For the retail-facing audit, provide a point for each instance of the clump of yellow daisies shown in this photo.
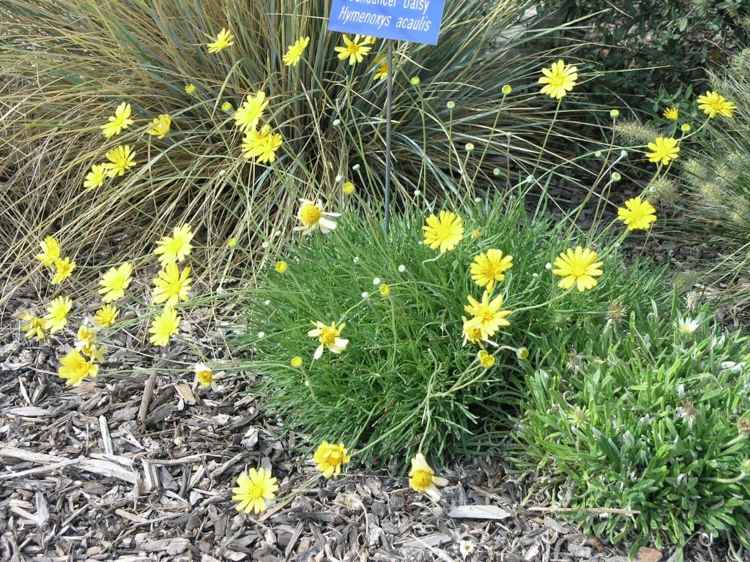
(171, 284)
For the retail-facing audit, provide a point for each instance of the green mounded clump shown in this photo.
(407, 381)
(650, 418)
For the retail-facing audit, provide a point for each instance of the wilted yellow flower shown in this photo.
(96, 177)
(232, 243)
(486, 360)
(312, 216)
(261, 145)
(121, 159)
(296, 362)
(637, 214)
(355, 49)
(74, 368)
(281, 266)
(381, 68)
(558, 79)
(114, 282)
(476, 234)
(472, 331)
(443, 232)
(328, 336)
(672, 113)
(295, 51)
(578, 268)
(171, 285)
(713, 104)
(106, 316)
(176, 247)
(663, 150)
(422, 478)
(204, 376)
(93, 352)
(160, 126)
(190, 89)
(489, 268)
(348, 188)
(118, 122)
(254, 488)
(522, 353)
(249, 113)
(164, 326)
(35, 327)
(224, 39)
(50, 251)
(85, 336)
(63, 269)
(488, 314)
(330, 457)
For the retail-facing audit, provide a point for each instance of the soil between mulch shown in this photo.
(139, 464)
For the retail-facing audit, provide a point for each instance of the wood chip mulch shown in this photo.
(139, 466)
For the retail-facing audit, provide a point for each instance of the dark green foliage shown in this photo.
(670, 41)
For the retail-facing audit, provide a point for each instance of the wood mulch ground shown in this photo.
(138, 465)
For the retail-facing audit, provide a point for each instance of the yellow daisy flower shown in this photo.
(558, 79)
(118, 122)
(190, 89)
(254, 488)
(328, 336)
(637, 214)
(295, 51)
(176, 247)
(114, 282)
(663, 150)
(63, 269)
(121, 159)
(164, 326)
(171, 285)
(578, 268)
(422, 478)
(713, 104)
(50, 251)
(74, 368)
(160, 126)
(487, 314)
(443, 232)
(204, 376)
(312, 216)
(106, 316)
(261, 145)
(224, 39)
(249, 113)
(330, 457)
(96, 177)
(489, 268)
(355, 49)
(57, 313)
(672, 113)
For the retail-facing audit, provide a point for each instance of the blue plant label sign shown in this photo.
(417, 21)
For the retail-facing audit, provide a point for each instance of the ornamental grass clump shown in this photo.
(419, 340)
(645, 428)
(122, 118)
